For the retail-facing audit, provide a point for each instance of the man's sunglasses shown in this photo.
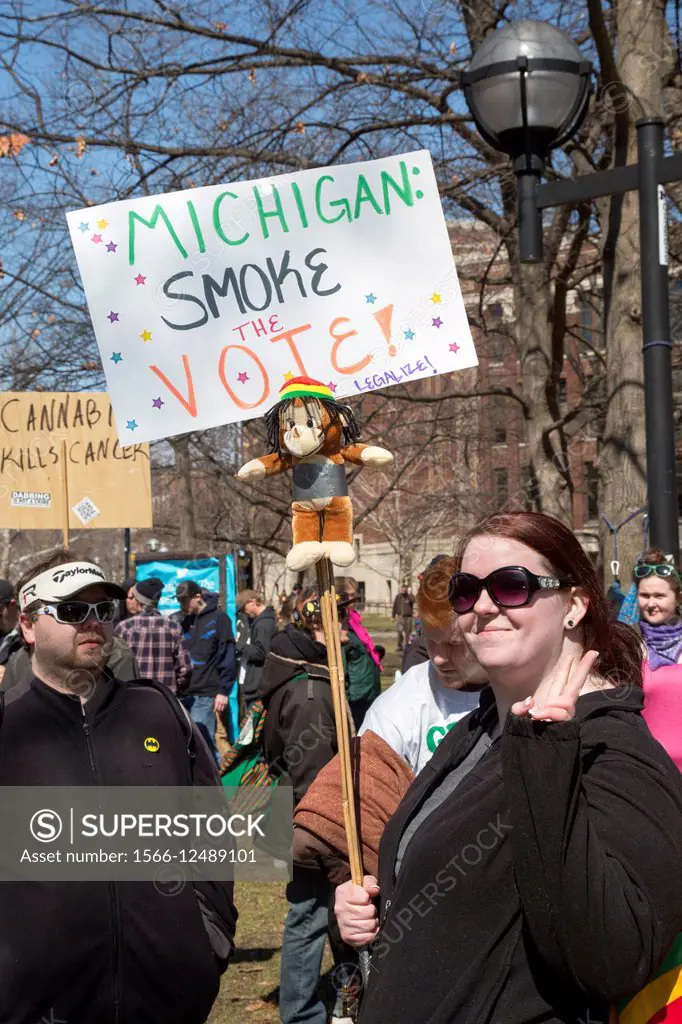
(73, 613)
(642, 570)
(509, 587)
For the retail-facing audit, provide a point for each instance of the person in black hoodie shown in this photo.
(299, 739)
(121, 952)
(262, 628)
(531, 872)
(210, 642)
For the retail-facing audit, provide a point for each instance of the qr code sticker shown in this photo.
(86, 510)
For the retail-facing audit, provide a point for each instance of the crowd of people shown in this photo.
(518, 787)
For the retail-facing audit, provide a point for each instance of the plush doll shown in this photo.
(312, 434)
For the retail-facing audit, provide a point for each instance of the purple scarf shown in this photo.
(664, 643)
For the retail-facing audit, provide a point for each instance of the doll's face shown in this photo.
(303, 427)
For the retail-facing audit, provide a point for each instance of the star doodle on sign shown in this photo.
(102, 224)
(454, 347)
(84, 227)
(435, 298)
(146, 336)
(288, 375)
(113, 317)
(242, 377)
(371, 298)
(437, 322)
(96, 239)
(332, 386)
(116, 357)
(158, 402)
(131, 425)
(111, 247)
(140, 279)
(409, 334)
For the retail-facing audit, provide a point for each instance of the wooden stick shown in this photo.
(330, 625)
(65, 492)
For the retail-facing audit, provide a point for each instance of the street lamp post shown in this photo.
(528, 90)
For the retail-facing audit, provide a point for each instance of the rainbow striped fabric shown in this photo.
(305, 387)
(659, 1002)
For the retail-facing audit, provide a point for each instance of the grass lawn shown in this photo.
(250, 986)
(378, 623)
(249, 989)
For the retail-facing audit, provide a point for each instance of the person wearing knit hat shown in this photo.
(148, 592)
(155, 640)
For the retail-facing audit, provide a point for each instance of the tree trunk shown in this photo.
(5, 547)
(183, 482)
(640, 28)
(538, 379)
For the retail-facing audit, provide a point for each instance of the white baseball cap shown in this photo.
(62, 582)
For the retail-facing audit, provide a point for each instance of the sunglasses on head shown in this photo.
(643, 569)
(510, 587)
(73, 613)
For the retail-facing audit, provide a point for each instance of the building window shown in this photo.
(496, 347)
(586, 321)
(499, 422)
(360, 595)
(501, 487)
(592, 489)
(530, 488)
(563, 394)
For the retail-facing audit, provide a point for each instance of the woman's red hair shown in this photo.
(620, 655)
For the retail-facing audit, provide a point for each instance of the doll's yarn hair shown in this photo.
(338, 415)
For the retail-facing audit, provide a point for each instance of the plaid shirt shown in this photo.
(157, 644)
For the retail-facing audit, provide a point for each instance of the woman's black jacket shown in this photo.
(545, 887)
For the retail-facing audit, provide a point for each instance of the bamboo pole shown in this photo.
(330, 625)
(65, 497)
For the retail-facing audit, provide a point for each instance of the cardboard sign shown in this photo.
(205, 302)
(107, 485)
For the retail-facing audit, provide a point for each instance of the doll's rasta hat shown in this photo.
(305, 387)
(309, 390)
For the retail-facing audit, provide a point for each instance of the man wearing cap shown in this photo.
(210, 641)
(84, 951)
(156, 641)
(263, 627)
(10, 638)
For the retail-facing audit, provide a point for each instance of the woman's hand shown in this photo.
(356, 912)
(555, 698)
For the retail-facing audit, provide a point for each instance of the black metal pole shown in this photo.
(657, 347)
(126, 552)
(528, 170)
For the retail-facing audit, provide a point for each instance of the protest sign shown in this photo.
(106, 485)
(205, 302)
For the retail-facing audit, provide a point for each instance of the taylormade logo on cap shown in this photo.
(62, 581)
(64, 574)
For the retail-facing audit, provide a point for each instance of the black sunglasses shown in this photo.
(510, 587)
(73, 613)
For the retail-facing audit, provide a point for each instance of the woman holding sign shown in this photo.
(532, 871)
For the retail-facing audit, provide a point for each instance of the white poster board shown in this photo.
(205, 302)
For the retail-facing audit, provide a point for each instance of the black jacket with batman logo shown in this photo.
(120, 952)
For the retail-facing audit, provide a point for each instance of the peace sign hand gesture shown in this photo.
(555, 698)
